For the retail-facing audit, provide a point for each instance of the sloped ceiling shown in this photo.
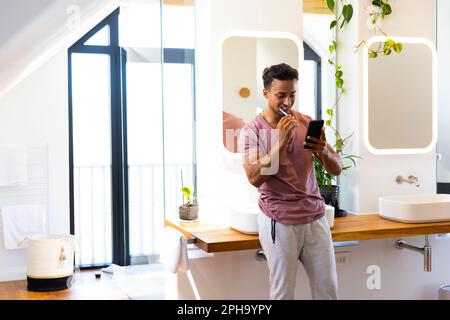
(16, 14)
(32, 31)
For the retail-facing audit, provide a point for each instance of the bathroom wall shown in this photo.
(270, 52)
(316, 30)
(240, 276)
(443, 48)
(35, 113)
(239, 71)
(361, 187)
(34, 98)
(214, 20)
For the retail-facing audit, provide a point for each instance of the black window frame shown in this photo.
(311, 55)
(119, 175)
(119, 159)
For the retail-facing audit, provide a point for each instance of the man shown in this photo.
(292, 223)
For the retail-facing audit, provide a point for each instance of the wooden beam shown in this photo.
(309, 6)
(179, 2)
(316, 6)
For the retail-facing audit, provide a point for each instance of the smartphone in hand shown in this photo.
(314, 130)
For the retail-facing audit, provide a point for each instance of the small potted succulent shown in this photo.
(188, 211)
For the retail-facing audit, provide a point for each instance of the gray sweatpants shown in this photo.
(311, 244)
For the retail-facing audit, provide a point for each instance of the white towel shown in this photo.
(13, 165)
(113, 268)
(174, 251)
(21, 221)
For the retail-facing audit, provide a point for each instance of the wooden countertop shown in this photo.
(219, 238)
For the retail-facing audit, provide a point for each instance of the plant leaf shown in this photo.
(347, 12)
(330, 61)
(398, 47)
(333, 24)
(373, 55)
(187, 192)
(389, 44)
(387, 52)
(352, 160)
(330, 4)
(330, 112)
(387, 10)
(339, 74)
(328, 123)
(377, 3)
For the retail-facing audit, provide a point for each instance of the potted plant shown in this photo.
(188, 211)
(328, 189)
(377, 12)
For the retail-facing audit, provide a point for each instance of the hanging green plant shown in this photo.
(343, 17)
(377, 12)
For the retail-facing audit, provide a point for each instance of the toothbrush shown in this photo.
(285, 114)
(282, 111)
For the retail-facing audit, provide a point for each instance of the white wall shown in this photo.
(244, 59)
(443, 49)
(36, 113)
(216, 19)
(34, 102)
(375, 175)
(274, 51)
(237, 275)
(239, 65)
(361, 187)
(317, 34)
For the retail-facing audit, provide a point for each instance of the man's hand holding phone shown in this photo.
(317, 146)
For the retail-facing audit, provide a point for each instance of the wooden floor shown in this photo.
(84, 287)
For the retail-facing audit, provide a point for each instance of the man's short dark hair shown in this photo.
(280, 71)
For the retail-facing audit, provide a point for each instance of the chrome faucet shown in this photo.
(411, 180)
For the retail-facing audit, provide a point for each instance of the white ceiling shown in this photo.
(16, 14)
(33, 31)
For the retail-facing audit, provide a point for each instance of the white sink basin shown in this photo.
(244, 219)
(415, 208)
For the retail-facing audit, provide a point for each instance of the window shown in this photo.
(311, 75)
(132, 133)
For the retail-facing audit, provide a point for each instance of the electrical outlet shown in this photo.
(342, 257)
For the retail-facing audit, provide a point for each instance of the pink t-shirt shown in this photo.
(291, 195)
